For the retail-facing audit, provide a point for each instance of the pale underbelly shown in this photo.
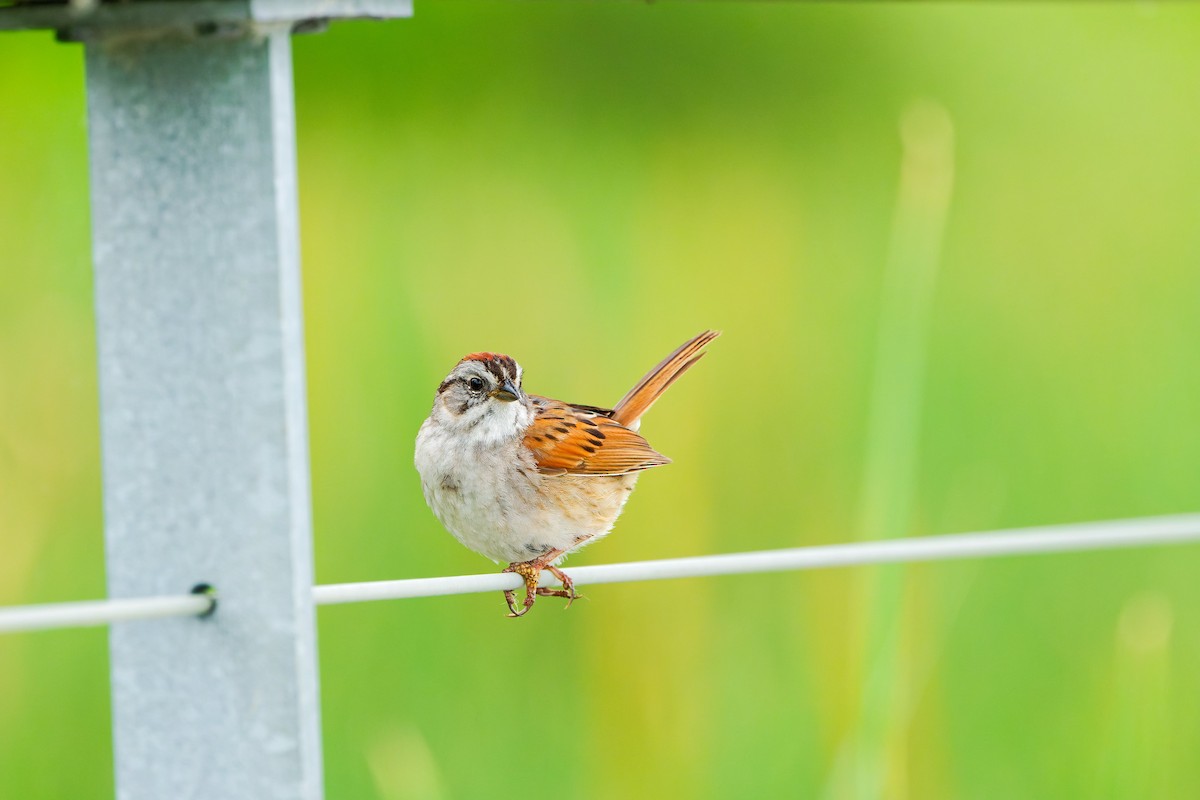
(529, 515)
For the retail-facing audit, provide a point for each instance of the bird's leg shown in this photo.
(531, 571)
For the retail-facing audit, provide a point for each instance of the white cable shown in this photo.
(1056, 538)
(1019, 541)
(102, 612)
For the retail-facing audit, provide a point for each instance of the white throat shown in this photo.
(487, 424)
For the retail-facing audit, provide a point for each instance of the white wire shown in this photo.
(1057, 538)
(1018, 541)
(101, 612)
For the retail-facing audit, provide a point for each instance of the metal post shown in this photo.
(202, 391)
(203, 423)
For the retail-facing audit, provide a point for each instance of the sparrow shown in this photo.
(526, 480)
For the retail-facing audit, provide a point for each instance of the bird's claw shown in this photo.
(568, 590)
(510, 599)
(530, 571)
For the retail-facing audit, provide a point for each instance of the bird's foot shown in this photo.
(531, 571)
(568, 586)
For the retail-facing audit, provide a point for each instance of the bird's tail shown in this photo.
(638, 400)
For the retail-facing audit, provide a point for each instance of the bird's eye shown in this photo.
(475, 384)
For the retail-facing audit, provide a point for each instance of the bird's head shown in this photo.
(483, 394)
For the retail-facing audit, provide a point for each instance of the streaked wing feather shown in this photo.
(583, 440)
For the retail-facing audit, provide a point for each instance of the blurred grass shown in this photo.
(584, 185)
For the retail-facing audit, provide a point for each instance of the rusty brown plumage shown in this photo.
(586, 440)
(568, 439)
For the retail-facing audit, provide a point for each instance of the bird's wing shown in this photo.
(584, 440)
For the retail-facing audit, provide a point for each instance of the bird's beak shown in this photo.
(507, 392)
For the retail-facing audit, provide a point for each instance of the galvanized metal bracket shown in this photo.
(81, 20)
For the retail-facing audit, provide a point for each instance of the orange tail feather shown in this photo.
(639, 399)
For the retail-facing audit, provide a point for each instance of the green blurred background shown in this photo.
(584, 185)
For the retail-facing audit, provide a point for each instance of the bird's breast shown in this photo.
(494, 500)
